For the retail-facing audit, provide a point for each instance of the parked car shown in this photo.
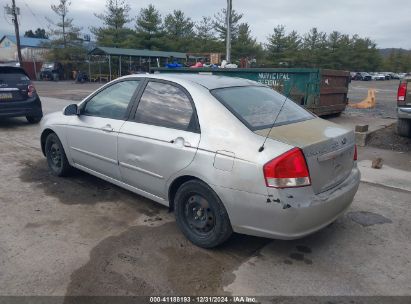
(364, 76)
(377, 76)
(204, 146)
(404, 107)
(18, 97)
(388, 75)
(52, 71)
(352, 75)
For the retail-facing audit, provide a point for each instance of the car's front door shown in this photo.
(92, 135)
(161, 140)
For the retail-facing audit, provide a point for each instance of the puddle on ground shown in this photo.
(160, 260)
(365, 218)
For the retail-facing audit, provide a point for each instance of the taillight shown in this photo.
(402, 92)
(288, 170)
(31, 90)
(355, 153)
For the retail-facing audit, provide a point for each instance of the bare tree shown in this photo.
(64, 28)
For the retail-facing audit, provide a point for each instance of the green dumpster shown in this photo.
(321, 91)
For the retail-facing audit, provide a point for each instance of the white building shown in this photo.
(32, 49)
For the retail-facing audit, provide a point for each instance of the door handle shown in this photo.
(180, 141)
(107, 128)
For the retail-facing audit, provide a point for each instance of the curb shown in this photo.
(362, 138)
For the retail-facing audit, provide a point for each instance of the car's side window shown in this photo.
(113, 101)
(166, 105)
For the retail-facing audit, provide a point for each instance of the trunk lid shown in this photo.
(327, 147)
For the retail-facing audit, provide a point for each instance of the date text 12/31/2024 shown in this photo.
(204, 299)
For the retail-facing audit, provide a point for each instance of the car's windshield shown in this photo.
(257, 106)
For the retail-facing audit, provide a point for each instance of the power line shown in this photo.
(34, 15)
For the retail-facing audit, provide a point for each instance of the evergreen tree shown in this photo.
(149, 29)
(220, 24)
(245, 46)
(206, 40)
(364, 54)
(38, 33)
(293, 49)
(314, 48)
(114, 33)
(116, 15)
(179, 31)
(277, 46)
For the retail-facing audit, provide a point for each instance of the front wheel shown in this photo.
(201, 215)
(56, 157)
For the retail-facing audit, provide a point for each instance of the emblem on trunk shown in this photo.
(344, 141)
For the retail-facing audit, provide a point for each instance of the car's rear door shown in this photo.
(161, 139)
(92, 135)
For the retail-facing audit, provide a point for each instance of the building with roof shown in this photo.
(32, 49)
(120, 61)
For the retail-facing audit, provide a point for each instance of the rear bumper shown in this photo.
(251, 213)
(404, 113)
(29, 107)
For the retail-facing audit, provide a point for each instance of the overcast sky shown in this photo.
(386, 22)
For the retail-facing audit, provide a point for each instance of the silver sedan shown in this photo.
(226, 154)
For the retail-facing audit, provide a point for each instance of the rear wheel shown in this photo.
(34, 119)
(201, 215)
(56, 157)
(404, 127)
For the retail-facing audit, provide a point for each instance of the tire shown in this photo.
(404, 127)
(34, 119)
(56, 157)
(201, 215)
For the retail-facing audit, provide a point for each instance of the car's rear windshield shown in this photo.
(12, 74)
(15, 77)
(258, 106)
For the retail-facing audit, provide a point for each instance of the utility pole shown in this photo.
(228, 38)
(14, 13)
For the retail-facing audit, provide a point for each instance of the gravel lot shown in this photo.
(386, 97)
(82, 236)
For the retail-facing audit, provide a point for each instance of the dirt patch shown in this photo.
(160, 260)
(388, 139)
(82, 189)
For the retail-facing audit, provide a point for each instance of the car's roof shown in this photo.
(210, 82)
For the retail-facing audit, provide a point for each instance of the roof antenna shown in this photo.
(275, 120)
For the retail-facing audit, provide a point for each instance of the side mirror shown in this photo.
(71, 110)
